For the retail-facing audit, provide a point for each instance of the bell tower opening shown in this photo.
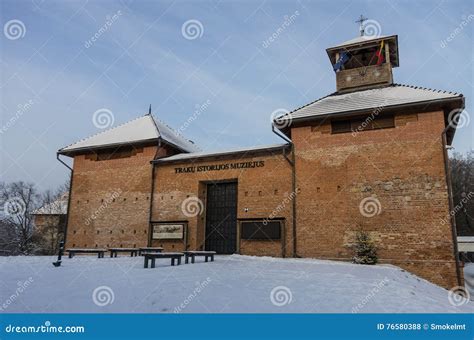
(364, 62)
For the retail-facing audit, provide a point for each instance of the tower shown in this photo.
(364, 62)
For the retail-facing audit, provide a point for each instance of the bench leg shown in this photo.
(71, 255)
(153, 262)
(193, 258)
(179, 260)
(206, 258)
(145, 264)
(212, 258)
(186, 259)
(172, 261)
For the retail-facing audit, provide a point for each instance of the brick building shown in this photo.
(369, 157)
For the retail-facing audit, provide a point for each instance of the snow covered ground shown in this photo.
(230, 284)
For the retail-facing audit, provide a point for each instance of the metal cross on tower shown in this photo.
(361, 24)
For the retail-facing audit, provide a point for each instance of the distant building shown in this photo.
(50, 220)
(370, 156)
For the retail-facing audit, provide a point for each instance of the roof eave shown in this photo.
(179, 148)
(75, 151)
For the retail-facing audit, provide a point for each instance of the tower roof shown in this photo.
(140, 130)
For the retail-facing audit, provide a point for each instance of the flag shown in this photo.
(341, 61)
(379, 54)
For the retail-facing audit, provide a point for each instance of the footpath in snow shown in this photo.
(231, 284)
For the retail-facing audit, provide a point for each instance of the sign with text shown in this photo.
(218, 167)
(165, 231)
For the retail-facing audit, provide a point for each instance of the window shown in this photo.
(359, 124)
(120, 152)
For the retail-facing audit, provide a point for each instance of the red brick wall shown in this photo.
(402, 168)
(110, 201)
(260, 190)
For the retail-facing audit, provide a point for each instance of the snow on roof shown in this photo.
(141, 129)
(173, 137)
(392, 95)
(361, 39)
(57, 207)
(185, 156)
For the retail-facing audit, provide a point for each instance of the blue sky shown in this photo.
(143, 58)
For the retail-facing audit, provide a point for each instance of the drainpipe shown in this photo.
(293, 185)
(68, 199)
(447, 170)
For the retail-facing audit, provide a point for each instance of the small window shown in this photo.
(340, 126)
(360, 124)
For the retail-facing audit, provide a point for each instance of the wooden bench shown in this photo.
(132, 251)
(100, 252)
(154, 256)
(141, 250)
(193, 254)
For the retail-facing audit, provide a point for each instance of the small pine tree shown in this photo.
(365, 249)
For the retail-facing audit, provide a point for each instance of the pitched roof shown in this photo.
(361, 39)
(248, 150)
(142, 129)
(386, 97)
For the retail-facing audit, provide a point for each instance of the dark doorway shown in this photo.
(221, 217)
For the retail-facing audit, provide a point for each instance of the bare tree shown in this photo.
(462, 174)
(19, 200)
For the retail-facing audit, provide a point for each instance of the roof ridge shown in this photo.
(175, 132)
(101, 132)
(314, 101)
(426, 88)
